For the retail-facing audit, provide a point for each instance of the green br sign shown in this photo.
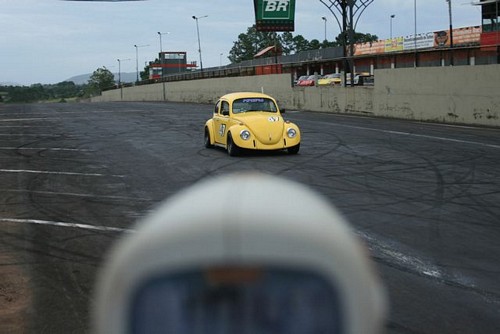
(274, 15)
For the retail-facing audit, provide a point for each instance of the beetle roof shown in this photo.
(240, 95)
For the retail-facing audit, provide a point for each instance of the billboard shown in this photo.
(467, 36)
(370, 48)
(274, 15)
(462, 37)
(422, 41)
(394, 44)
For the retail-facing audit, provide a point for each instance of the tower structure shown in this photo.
(347, 14)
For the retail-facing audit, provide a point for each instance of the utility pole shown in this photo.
(137, 59)
(392, 16)
(324, 19)
(198, 32)
(451, 32)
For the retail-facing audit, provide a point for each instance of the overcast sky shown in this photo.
(49, 41)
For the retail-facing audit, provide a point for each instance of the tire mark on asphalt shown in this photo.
(34, 246)
(380, 252)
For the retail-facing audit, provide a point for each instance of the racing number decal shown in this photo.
(222, 130)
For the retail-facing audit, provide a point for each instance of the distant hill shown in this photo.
(84, 78)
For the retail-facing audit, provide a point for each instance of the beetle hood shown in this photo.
(266, 127)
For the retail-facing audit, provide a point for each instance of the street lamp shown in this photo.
(120, 70)
(324, 19)
(159, 34)
(392, 16)
(137, 59)
(198, 32)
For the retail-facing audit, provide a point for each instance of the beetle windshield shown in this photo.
(254, 104)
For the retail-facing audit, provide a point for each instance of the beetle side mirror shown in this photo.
(282, 110)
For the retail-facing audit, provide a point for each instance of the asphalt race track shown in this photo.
(425, 198)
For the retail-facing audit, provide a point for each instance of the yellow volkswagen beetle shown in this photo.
(250, 121)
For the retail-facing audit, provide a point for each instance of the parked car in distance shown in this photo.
(366, 80)
(251, 121)
(330, 79)
(307, 80)
(300, 79)
(361, 79)
(348, 79)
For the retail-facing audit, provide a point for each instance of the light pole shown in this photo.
(159, 34)
(392, 16)
(120, 70)
(451, 32)
(324, 19)
(137, 59)
(415, 36)
(162, 58)
(198, 32)
(220, 60)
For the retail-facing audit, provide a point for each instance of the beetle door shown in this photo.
(221, 121)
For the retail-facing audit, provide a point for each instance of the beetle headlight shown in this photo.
(291, 133)
(245, 134)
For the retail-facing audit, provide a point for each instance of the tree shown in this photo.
(101, 79)
(314, 44)
(287, 43)
(358, 38)
(144, 75)
(39, 92)
(328, 44)
(64, 89)
(251, 42)
(301, 44)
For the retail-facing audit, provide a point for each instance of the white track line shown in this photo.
(43, 135)
(23, 126)
(380, 249)
(27, 119)
(55, 173)
(61, 224)
(401, 133)
(406, 261)
(416, 264)
(77, 195)
(8, 148)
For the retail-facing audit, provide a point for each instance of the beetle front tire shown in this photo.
(232, 149)
(294, 149)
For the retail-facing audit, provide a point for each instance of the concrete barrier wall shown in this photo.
(463, 94)
(201, 91)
